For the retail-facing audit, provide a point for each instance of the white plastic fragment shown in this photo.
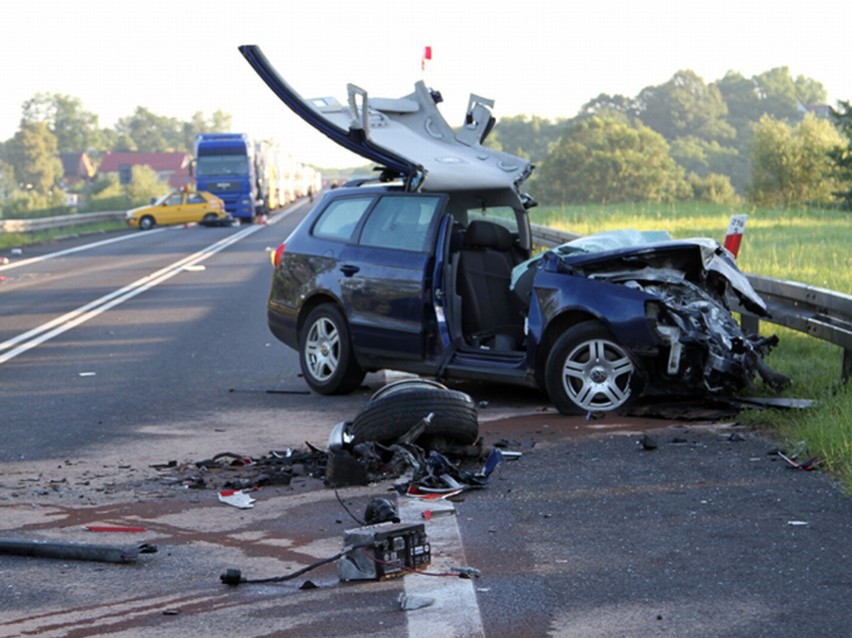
(237, 498)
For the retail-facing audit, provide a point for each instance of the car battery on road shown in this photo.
(383, 551)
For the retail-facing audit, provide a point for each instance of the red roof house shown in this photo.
(76, 167)
(172, 168)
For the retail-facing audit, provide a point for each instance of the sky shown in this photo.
(532, 57)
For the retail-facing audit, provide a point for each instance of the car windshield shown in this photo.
(211, 165)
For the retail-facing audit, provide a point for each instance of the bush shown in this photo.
(24, 204)
(715, 189)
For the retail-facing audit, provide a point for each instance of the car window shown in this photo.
(339, 220)
(400, 222)
(195, 198)
(174, 199)
(503, 215)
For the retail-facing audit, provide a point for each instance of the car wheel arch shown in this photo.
(555, 328)
(315, 300)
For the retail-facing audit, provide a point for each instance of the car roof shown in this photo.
(407, 135)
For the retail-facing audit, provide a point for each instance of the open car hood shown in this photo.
(406, 135)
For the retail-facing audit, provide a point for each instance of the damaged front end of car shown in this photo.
(690, 285)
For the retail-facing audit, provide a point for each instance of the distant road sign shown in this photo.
(125, 174)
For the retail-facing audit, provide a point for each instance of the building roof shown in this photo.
(158, 162)
(172, 167)
(77, 166)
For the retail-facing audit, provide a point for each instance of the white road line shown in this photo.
(455, 612)
(32, 338)
(77, 249)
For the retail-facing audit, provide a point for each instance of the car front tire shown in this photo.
(147, 223)
(325, 353)
(588, 371)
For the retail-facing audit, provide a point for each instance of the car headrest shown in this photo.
(481, 234)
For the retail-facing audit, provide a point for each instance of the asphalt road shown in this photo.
(587, 534)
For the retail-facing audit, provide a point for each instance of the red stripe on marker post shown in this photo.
(734, 237)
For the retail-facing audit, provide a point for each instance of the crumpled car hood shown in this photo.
(408, 135)
(625, 255)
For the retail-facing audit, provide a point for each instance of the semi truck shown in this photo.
(226, 165)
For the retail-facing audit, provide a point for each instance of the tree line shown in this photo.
(769, 139)
(31, 172)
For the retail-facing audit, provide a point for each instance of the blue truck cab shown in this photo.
(224, 166)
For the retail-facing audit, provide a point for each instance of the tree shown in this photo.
(147, 132)
(76, 129)
(791, 164)
(33, 153)
(7, 180)
(109, 194)
(685, 106)
(605, 104)
(524, 136)
(605, 159)
(702, 157)
(778, 94)
(842, 156)
(151, 133)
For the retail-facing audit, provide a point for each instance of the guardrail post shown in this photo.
(846, 372)
(750, 324)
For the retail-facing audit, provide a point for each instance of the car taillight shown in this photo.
(276, 256)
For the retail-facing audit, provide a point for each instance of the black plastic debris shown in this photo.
(74, 551)
(648, 443)
(343, 470)
(381, 510)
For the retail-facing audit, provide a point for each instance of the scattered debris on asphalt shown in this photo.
(808, 465)
(237, 498)
(408, 603)
(74, 551)
(648, 442)
(422, 467)
(114, 528)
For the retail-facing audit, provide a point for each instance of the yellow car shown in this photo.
(180, 207)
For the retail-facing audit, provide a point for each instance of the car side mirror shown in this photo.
(152, 200)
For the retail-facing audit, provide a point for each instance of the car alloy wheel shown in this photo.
(587, 370)
(326, 355)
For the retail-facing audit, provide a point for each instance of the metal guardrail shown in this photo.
(823, 314)
(61, 221)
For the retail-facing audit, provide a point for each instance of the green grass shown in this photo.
(811, 246)
(18, 240)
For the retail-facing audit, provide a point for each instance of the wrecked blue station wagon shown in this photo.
(429, 269)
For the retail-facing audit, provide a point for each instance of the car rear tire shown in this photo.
(388, 417)
(209, 219)
(147, 223)
(325, 353)
(588, 371)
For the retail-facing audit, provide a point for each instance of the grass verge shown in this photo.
(18, 240)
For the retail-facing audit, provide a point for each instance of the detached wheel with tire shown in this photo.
(587, 370)
(388, 417)
(325, 353)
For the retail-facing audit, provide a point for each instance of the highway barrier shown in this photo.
(60, 221)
